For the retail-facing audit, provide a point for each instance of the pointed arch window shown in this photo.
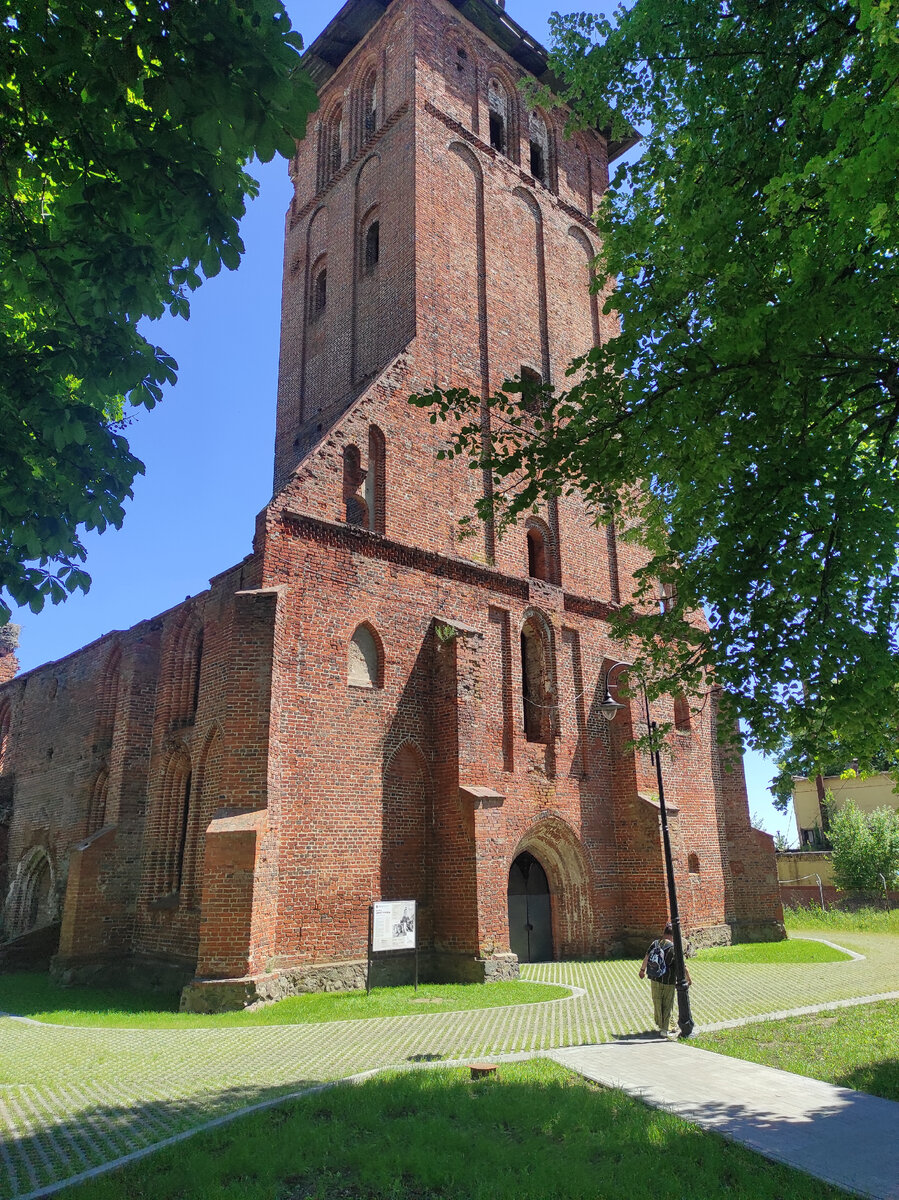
(365, 659)
(542, 554)
(538, 137)
(375, 479)
(330, 146)
(354, 478)
(535, 691)
(335, 141)
(369, 106)
(96, 817)
(371, 246)
(318, 295)
(498, 108)
(682, 718)
(174, 822)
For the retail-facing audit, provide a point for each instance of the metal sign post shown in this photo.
(371, 911)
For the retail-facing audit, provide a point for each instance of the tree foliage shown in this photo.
(125, 130)
(865, 847)
(754, 386)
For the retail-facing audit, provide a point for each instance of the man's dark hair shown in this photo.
(668, 929)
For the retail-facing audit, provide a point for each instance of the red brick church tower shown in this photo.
(372, 705)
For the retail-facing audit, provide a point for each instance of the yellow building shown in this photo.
(873, 792)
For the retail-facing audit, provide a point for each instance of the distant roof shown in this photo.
(357, 17)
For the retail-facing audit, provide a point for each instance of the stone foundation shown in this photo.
(223, 995)
(157, 975)
(757, 931)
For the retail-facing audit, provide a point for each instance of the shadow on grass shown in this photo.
(880, 1079)
(37, 1154)
(534, 1132)
(34, 993)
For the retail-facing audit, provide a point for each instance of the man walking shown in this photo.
(659, 965)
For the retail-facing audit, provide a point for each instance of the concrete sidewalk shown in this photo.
(844, 1137)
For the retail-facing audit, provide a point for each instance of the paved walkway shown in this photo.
(841, 1136)
(72, 1099)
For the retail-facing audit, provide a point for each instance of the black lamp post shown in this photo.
(609, 709)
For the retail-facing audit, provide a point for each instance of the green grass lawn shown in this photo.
(833, 920)
(535, 1132)
(793, 950)
(854, 1047)
(34, 994)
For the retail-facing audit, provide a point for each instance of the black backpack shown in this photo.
(656, 963)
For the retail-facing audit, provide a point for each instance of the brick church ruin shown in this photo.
(370, 706)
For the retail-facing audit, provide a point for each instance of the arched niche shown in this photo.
(365, 659)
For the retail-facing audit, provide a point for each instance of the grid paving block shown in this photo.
(80, 1097)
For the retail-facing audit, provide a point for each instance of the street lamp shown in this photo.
(609, 709)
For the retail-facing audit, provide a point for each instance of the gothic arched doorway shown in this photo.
(530, 915)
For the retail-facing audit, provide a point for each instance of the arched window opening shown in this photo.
(372, 246)
(498, 105)
(375, 479)
(369, 106)
(96, 817)
(107, 702)
(461, 58)
(195, 668)
(31, 902)
(539, 144)
(364, 668)
(533, 381)
(535, 693)
(335, 142)
(682, 716)
(693, 864)
(356, 508)
(182, 834)
(39, 896)
(174, 819)
(536, 555)
(320, 291)
(667, 597)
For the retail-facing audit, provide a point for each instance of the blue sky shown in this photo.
(208, 447)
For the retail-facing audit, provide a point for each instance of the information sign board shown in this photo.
(393, 925)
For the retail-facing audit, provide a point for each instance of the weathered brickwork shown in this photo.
(372, 705)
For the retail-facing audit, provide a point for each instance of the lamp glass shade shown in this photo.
(609, 707)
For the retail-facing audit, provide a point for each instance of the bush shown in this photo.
(862, 920)
(865, 847)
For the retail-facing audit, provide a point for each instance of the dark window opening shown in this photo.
(498, 132)
(538, 137)
(320, 293)
(533, 381)
(536, 555)
(681, 714)
(693, 864)
(372, 245)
